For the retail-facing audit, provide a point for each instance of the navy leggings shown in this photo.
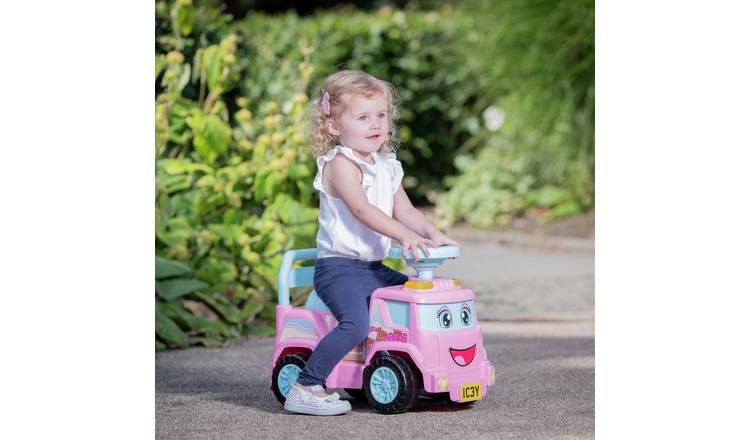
(345, 286)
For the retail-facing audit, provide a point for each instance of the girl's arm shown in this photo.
(407, 214)
(345, 178)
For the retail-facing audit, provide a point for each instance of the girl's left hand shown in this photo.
(440, 239)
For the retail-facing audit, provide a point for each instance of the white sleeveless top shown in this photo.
(340, 233)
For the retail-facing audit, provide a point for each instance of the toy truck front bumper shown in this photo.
(440, 380)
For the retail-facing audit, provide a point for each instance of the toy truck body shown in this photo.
(431, 325)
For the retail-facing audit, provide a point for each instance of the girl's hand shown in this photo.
(412, 241)
(440, 239)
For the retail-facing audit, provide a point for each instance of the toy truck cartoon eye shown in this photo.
(446, 317)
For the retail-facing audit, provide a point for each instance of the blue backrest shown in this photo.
(297, 277)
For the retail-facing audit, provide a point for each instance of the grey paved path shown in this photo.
(525, 277)
(537, 319)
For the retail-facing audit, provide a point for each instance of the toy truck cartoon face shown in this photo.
(444, 329)
(456, 325)
(435, 324)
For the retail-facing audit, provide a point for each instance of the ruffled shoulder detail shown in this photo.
(394, 168)
(368, 169)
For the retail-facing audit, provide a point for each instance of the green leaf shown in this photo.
(175, 288)
(251, 309)
(211, 59)
(233, 216)
(222, 307)
(271, 184)
(170, 268)
(259, 184)
(168, 330)
(292, 212)
(550, 196)
(183, 17)
(184, 78)
(172, 184)
(211, 342)
(300, 171)
(261, 330)
(268, 312)
(181, 166)
(177, 231)
(197, 324)
(160, 64)
(564, 209)
(228, 233)
(211, 135)
(216, 270)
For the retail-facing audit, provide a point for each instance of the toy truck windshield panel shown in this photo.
(446, 317)
(398, 312)
(375, 318)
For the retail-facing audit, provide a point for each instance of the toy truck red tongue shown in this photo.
(465, 356)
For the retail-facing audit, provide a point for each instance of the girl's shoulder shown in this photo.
(338, 164)
(345, 151)
(393, 165)
(389, 159)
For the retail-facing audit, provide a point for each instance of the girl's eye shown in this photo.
(362, 118)
(445, 319)
(382, 115)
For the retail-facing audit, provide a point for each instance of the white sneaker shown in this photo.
(305, 402)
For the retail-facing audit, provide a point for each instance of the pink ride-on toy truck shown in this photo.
(424, 338)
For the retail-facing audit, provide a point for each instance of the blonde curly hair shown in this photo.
(352, 83)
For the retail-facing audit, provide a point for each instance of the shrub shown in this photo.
(232, 184)
(535, 153)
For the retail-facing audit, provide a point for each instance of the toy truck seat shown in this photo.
(299, 277)
(315, 303)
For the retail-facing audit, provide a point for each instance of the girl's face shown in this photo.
(362, 125)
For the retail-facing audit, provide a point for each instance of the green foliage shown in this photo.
(535, 155)
(189, 312)
(175, 280)
(232, 183)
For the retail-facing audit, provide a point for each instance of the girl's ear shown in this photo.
(331, 127)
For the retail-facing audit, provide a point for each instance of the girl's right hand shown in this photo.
(412, 241)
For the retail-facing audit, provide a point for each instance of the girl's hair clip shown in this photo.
(325, 103)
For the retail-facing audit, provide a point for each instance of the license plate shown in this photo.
(471, 391)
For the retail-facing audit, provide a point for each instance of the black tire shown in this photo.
(407, 391)
(356, 393)
(298, 359)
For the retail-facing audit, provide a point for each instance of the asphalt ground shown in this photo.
(536, 311)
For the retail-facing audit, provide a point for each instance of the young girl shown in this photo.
(362, 207)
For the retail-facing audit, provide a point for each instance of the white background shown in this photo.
(77, 219)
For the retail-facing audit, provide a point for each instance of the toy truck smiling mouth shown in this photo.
(424, 339)
(465, 356)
